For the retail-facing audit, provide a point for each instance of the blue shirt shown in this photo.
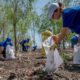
(71, 19)
(6, 42)
(25, 41)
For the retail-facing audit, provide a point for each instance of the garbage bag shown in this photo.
(53, 60)
(76, 55)
(10, 52)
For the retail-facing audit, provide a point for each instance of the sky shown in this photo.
(39, 4)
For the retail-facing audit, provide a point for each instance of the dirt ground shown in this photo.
(27, 62)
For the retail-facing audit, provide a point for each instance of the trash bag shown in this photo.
(10, 52)
(76, 55)
(53, 60)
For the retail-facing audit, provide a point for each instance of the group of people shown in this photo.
(7, 49)
(71, 23)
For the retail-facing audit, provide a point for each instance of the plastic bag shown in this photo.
(53, 60)
(76, 57)
(10, 52)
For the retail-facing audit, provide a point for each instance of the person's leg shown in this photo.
(23, 48)
(27, 48)
(1, 50)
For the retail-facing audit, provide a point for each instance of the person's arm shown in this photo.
(61, 35)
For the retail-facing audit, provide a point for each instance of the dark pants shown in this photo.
(4, 53)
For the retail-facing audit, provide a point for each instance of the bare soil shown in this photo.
(31, 62)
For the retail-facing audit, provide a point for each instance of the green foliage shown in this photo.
(22, 13)
(65, 57)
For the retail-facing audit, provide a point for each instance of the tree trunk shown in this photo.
(15, 38)
(3, 31)
(14, 24)
(34, 34)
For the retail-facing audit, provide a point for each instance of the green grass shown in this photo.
(65, 57)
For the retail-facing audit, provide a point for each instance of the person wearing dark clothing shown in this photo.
(4, 44)
(23, 44)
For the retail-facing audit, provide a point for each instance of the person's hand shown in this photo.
(56, 39)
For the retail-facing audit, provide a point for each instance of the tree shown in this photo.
(15, 13)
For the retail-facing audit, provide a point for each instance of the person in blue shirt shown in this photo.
(4, 43)
(74, 41)
(23, 44)
(70, 19)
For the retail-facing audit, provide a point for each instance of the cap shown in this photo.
(51, 9)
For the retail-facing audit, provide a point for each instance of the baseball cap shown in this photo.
(51, 9)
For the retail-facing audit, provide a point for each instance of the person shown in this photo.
(74, 41)
(24, 44)
(76, 50)
(70, 19)
(3, 45)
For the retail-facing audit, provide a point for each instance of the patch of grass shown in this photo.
(65, 57)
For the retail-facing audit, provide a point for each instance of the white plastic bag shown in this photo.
(10, 52)
(76, 55)
(53, 60)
